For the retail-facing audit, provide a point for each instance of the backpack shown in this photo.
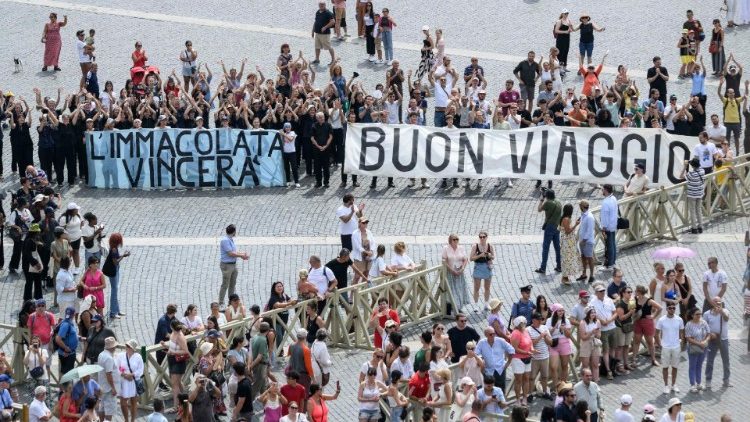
(55, 333)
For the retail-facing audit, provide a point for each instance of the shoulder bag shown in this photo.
(140, 388)
(325, 378)
(109, 269)
(622, 222)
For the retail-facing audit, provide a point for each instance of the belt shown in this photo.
(230, 263)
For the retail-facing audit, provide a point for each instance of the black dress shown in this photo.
(563, 44)
(22, 147)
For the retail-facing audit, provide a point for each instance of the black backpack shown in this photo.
(55, 332)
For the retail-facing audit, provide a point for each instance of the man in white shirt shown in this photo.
(714, 284)
(442, 97)
(717, 133)
(348, 215)
(38, 410)
(671, 330)
(623, 413)
(718, 322)
(109, 379)
(608, 223)
(323, 279)
(587, 390)
(706, 152)
(606, 314)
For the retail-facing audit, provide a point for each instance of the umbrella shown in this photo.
(80, 372)
(673, 252)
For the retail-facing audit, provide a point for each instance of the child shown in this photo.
(90, 39)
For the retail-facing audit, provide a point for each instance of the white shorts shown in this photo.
(670, 357)
(108, 404)
(519, 367)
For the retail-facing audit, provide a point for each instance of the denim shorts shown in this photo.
(585, 48)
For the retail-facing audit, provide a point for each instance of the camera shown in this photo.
(543, 190)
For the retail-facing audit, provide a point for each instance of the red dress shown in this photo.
(53, 45)
(72, 408)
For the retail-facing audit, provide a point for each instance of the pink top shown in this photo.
(94, 280)
(524, 342)
(455, 257)
(339, 4)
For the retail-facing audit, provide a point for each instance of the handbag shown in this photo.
(33, 269)
(217, 377)
(37, 372)
(622, 222)
(140, 388)
(713, 47)
(182, 357)
(109, 268)
(79, 292)
(694, 349)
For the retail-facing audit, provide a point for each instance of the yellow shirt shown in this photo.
(731, 110)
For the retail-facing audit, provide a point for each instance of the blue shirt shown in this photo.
(92, 388)
(491, 407)
(494, 355)
(6, 399)
(69, 335)
(226, 246)
(163, 329)
(586, 229)
(608, 214)
(699, 87)
(524, 309)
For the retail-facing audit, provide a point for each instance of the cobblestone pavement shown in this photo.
(185, 271)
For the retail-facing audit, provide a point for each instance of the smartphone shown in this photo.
(338, 385)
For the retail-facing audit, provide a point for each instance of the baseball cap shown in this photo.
(5, 378)
(626, 399)
(70, 311)
(526, 288)
(600, 288)
(583, 293)
(649, 408)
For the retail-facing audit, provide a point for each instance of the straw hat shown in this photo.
(494, 303)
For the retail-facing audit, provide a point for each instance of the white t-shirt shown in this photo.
(88, 231)
(321, 277)
(377, 268)
(72, 226)
(670, 330)
(107, 361)
(559, 330)
(289, 146)
(402, 261)
(351, 225)
(604, 310)
(705, 154)
(623, 416)
(715, 132)
(442, 94)
(392, 112)
(82, 57)
(37, 410)
(715, 280)
(381, 370)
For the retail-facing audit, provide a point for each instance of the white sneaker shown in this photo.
(388, 62)
(693, 389)
(666, 389)
(701, 387)
(675, 389)
(296, 185)
(287, 184)
(425, 185)
(510, 183)
(379, 61)
(371, 58)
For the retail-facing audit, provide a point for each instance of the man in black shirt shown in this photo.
(340, 268)
(460, 335)
(526, 72)
(243, 400)
(321, 142)
(321, 31)
(657, 77)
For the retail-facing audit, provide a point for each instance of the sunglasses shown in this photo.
(470, 348)
(440, 328)
(462, 320)
(482, 237)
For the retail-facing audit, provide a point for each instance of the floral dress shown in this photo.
(571, 260)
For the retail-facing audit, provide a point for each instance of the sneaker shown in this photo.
(379, 61)
(700, 387)
(675, 389)
(666, 389)
(510, 183)
(287, 184)
(296, 185)
(388, 62)
(425, 185)
(727, 384)
(540, 271)
(708, 386)
(316, 61)
(121, 314)
(371, 59)
(693, 388)
(355, 184)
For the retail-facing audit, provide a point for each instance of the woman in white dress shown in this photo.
(472, 365)
(321, 358)
(130, 365)
(443, 396)
(465, 396)
(738, 12)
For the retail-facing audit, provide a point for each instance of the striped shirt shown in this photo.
(695, 183)
(698, 331)
(542, 350)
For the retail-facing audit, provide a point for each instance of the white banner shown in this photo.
(594, 155)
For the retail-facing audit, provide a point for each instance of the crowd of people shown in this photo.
(241, 378)
(313, 104)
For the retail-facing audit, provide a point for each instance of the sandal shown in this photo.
(610, 376)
